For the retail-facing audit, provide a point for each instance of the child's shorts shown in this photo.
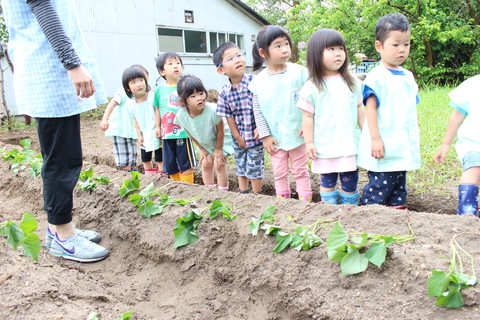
(470, 160)
(249, 162)
(147, 155)
(178, 155)
(125, 151)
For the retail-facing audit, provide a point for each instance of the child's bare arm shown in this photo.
(218, 152)
(158, 122)
(106, 116)
(456, 119)
(360, 115)
(139, 132)
(307, 127)
(377, 148)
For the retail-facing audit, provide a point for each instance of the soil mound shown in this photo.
(227, 273)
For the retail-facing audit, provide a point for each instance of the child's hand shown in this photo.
(104, 125)
(269, 144)
(377, 149)
(140, 141)
(441, 155)
(255, 134)
(241, 143)
(219, 157)
(311, 151)
(203, 155)
(158, 132)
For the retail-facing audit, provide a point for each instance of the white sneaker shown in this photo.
(77, 248)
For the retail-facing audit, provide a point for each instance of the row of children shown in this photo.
(295, 114)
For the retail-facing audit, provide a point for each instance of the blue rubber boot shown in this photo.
(467, 199)
(349, 198)
(330, 197)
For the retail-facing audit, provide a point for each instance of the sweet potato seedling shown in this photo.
(23, 235)
(25, 158)
(89, 182)
(447, 286)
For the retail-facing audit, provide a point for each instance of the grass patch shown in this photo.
(433, 115)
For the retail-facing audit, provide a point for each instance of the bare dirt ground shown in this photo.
(227, 273)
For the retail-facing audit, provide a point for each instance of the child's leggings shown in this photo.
(299, 169)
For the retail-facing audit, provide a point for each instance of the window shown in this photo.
(193, 41)
(188, 16)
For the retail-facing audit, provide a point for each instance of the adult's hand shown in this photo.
(82, 81)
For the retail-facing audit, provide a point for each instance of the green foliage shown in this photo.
(89, 182)
(25, 158)
(23, 235)
(447, 286)
(95, 114)
(185, 227)
(125, 316)
(130, 185)
(348, 249)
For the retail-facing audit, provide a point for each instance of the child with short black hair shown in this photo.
(390, 141)
(464, 121)
(235, 103)
(205, 128)
(178, 152)
(135, 84)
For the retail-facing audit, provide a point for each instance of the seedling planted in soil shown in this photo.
(186, 226)
(25, 158)
(23, 235)
(447, 286)
(89, 182)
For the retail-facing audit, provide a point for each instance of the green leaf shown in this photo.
(336, 242)
(283, 240)
(93, 316)
(150, 209)
(451, 298)
(218, 207)
(270, 229)
(254, 225)
(184, 229)
(377, 253)
(130, 185)
(136, 199)
(13, 233)
(26, 143)
(353, 262)
(267, 215)
(126, 315)
(28, 223)
(148, 191)
(437, 283)
(102, 180)
(360, 242)
(463, 279)
(31, 245)
(84, 175)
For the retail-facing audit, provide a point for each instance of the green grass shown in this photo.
(433, 115)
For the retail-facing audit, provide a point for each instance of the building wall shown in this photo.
(124, 32)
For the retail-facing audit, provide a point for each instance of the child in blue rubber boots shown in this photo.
(464, 124)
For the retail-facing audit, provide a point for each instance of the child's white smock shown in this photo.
(397, 122)
(203, 128)
(277, 95)
(335, 132)
(121, 118)
(466, 99)
(144, 113)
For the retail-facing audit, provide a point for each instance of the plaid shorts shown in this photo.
(125, 151)
(249, 162)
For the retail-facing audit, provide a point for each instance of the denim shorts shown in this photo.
(470, 160)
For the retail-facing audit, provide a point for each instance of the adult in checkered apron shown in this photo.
(55, 79)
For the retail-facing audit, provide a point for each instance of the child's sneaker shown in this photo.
(77, 248)
(90, 235)
(150, 171)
